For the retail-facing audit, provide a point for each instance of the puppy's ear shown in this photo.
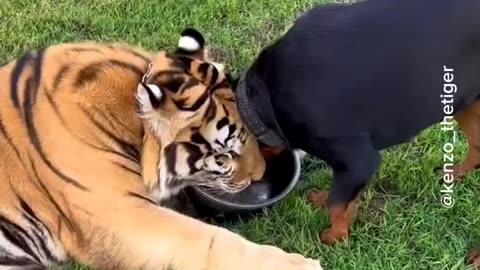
(149, 97)
(192, 44)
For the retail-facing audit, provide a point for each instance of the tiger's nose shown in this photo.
(221, 159)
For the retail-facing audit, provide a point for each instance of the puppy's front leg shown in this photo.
(354, 160)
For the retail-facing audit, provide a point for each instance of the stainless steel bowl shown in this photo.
(281, 176)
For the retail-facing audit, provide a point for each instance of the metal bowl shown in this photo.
(281, 176)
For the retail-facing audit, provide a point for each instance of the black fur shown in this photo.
(20, 64)
(60, 76)
(30, 94)
(171, 157)
(348, 81)
(18, 236)
(151, 96)
(194, 154)
(197, 36)
(190, 32)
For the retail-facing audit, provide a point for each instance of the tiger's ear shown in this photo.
(149, 96)
(192, 44)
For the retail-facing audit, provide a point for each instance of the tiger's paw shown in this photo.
(270, 257)
(233, 252)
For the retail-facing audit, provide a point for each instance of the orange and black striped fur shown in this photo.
(191, 102)
(71, 141)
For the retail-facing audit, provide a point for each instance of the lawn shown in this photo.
(401, 223)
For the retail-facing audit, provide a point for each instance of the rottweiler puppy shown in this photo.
(346, 81)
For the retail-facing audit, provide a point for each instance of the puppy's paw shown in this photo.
(473, 258)
(333, 236)
(318, 198)
(456, 175)
(459, 173)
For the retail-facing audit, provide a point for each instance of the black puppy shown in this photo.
(347, 81)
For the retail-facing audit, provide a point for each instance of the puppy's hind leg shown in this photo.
(469, 121)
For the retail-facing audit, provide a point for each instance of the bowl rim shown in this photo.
(244, 206)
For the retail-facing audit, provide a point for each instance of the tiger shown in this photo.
(210, 151)
(76, 142)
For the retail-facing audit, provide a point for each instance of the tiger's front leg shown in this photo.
(142, 235)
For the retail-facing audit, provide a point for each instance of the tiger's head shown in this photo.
(189, 104)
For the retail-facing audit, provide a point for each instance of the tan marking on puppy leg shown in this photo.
(469, 121)
(473, 258)
(318, 198)
(340, 217)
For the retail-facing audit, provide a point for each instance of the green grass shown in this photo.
(401, 223)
